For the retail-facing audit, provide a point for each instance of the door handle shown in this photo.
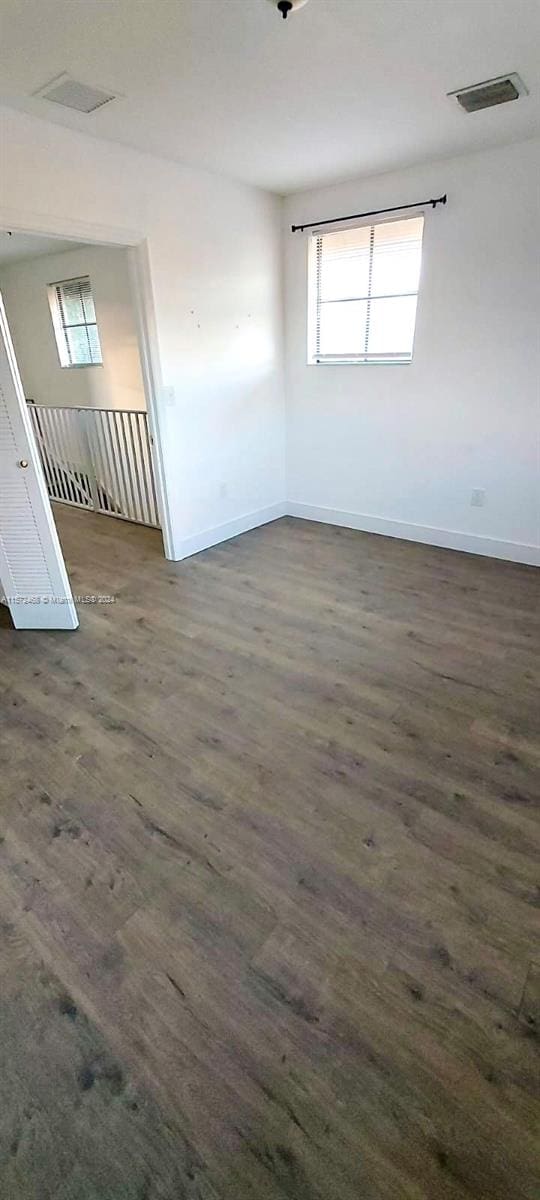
(22, 462)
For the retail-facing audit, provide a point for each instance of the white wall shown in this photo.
(115, 384)
(398, 449)
(214, 251)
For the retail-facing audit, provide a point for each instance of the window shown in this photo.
(74, 320)
(363, 292)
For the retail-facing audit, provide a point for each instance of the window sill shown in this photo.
(361, 362)
(78, 366)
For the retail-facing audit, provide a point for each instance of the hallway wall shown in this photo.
(117, 383)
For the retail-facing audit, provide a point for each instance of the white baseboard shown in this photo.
(230, 529)
(448, 539)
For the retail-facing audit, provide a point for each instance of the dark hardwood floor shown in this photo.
(269, 903)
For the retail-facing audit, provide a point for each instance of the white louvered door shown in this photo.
(33, 578)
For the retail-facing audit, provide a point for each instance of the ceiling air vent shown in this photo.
(80, 96)
(490, 92)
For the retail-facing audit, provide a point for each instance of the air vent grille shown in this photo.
(72, 94)
(490, 92)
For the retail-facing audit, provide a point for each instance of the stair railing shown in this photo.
(97, 458)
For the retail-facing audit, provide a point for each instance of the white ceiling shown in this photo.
(341, 88)
(16, 246)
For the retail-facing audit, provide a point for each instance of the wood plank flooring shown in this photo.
(269, 902)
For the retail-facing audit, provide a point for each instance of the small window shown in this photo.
(363, 293)
(74, 320)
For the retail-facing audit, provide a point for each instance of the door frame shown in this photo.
(136, 244)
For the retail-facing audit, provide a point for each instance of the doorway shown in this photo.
(138, 438)
(80, 319)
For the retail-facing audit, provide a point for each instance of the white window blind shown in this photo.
(364, 291)
(74, 320)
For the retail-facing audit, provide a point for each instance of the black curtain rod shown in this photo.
(377, 212)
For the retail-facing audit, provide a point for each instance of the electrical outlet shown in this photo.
(478, 497)
(223, 491)
(168, 396)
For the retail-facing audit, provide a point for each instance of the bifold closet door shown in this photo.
(33, 578)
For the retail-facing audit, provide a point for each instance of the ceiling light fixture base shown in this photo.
(287, 6)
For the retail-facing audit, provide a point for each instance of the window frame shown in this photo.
(390, 359)
(60, 326)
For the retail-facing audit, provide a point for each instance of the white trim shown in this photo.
(359, 362)
(45, 225)
(447, 539)
(230, 529)
(143, 298)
